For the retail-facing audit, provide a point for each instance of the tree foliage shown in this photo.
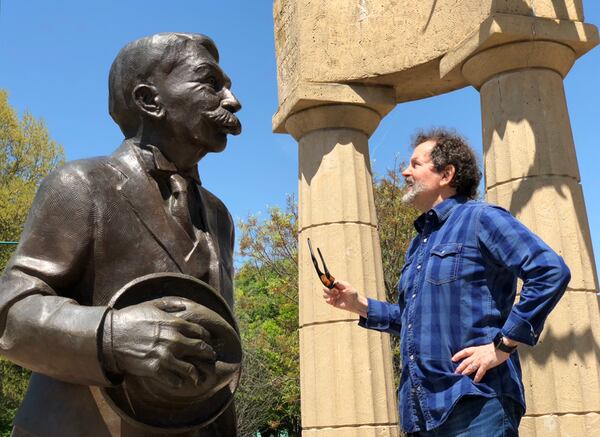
(267, 309)
(266, 305)
(27, 154)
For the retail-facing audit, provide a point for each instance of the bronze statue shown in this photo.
(118, 296)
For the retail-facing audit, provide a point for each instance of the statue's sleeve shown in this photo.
(42, 325)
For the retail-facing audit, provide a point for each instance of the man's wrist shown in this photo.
(363, 306)
(510, 343)
(504, 344)
(108, 359)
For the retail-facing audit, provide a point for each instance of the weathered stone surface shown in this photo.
(345, 371)
(415, 49)
(568, 425)
(520, 141)
(347, 393)
(561, 372)
(353, 253)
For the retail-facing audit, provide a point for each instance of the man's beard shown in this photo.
(415, 189)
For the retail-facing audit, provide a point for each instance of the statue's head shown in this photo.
(170, 86)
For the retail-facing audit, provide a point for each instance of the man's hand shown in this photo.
(479, 359)
(345, 297)
(148, 340)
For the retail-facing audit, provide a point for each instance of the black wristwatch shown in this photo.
(499, 344)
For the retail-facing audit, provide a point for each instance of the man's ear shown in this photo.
(448, 174)
(146, 98)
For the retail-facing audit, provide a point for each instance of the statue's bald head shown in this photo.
(137, 62)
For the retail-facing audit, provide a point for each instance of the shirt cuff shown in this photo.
(378, 316)
(518, 329)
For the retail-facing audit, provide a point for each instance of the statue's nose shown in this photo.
(230, 102)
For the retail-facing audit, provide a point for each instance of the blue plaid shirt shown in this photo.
(457, 289)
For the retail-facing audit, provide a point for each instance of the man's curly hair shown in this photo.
(452, 149)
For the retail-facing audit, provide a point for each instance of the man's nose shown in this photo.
(406, 172)
(229, 101)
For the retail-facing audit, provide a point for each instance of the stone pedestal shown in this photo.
(347, 386)
(531, 169)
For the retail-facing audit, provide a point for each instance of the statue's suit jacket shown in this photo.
(95, 225)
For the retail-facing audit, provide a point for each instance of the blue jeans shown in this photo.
(476, 416)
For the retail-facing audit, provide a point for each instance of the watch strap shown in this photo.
(499, 344)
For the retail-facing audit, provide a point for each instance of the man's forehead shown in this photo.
(423, 150)
(198, 57)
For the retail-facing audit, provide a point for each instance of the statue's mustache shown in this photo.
(226, 120)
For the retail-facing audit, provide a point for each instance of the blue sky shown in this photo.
(55, 57)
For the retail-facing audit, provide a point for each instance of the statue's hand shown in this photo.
(224, 340)
(149, 340)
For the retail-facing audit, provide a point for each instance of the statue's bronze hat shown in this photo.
(148, 404)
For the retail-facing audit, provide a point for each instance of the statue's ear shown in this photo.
(147, 100)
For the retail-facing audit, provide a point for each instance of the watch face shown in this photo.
(498, 340)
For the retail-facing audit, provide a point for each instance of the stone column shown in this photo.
(531, 169)
(347, 386)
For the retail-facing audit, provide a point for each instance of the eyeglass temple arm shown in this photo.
(314, 259)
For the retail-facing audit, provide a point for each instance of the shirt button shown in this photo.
(430, 212)
(409, 325)
(419, 267)
(412, 357)
(424, 240)
(414, 295)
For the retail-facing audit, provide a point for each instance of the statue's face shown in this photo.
(198, 102)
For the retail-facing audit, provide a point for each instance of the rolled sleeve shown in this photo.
(519, 329)
(382, 316)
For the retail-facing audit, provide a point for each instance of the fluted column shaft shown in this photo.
(347, 386)
(531, 169)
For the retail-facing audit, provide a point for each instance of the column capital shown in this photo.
(489, 63)
(357, 117)
(380, 99)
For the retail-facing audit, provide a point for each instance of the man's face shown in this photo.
(198, 103)
(422, 180)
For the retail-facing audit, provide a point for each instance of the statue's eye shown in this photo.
(213, 82)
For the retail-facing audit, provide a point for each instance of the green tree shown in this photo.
(267, 310)
(27, 154)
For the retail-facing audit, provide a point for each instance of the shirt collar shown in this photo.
(156, 163)
(440, 212)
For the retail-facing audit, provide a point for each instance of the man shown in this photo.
(97, 224)
(458, 326)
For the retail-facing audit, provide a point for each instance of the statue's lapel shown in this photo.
(142, 193)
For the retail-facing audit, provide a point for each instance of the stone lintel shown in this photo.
(380, 99)
(501, 29)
